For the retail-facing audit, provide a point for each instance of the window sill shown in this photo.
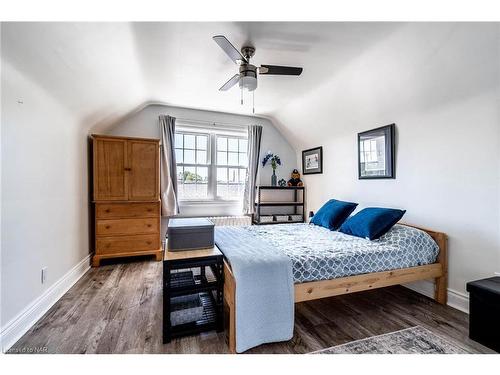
(197, 208)
(215, 202)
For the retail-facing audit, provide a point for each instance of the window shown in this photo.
(211, 165)
(192, 155)
(231, 167)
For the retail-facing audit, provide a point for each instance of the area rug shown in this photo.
(414, 340)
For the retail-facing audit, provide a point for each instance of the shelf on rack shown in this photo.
(276, 204)
(291, 205)
(184, 282)
(208, 320)
(280, 187)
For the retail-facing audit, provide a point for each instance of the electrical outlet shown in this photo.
(44, 275)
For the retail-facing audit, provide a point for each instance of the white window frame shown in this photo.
(212, 132)
(194, 165)
(226, 166)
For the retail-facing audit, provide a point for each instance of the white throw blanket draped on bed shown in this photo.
(264, 288)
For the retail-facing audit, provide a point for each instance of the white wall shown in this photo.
(144, 123)
(440, 84)
(44, 192)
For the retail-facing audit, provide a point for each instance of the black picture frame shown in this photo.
(318, 151)
(388, 133)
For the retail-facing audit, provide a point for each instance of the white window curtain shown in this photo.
(253, 150)
(168, 172)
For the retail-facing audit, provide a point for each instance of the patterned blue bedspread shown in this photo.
(320, 254)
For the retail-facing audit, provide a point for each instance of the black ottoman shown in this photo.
(484, 312)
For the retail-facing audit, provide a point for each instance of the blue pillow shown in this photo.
(333, 213)
(372, 222)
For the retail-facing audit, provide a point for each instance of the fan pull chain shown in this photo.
(241, 95)
(253, 102)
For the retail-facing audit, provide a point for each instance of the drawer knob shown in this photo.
(148, 242)
(149, 225)
(107, 227)
(107, 210)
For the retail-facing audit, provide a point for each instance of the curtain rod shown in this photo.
(213, 123)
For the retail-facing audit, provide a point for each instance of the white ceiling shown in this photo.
(101, 71)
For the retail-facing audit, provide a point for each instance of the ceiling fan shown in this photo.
(247, 76)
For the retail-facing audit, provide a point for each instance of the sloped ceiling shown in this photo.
(102, 71)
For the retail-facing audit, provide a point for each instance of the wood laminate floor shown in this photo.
(117, 308)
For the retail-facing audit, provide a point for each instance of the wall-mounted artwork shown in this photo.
(312, 161)
(376, 153)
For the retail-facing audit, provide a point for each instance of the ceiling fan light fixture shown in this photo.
(248, 82)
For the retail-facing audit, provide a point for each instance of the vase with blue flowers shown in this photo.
(275, 161)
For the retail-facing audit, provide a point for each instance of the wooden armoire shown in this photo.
(126, 197)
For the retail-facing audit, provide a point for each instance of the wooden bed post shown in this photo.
(229, 299)
(441, 283)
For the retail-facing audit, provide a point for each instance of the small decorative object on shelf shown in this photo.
(275, 161)
(193, 284)
(295, 180)
(282, 182)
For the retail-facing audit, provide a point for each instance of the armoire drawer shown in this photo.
(127, 210)
(127, 244)
(113, 227)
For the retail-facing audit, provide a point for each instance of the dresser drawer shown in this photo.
(127, 244)
(127, 210)
(127, 226)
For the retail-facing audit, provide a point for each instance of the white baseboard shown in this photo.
(457, 300)
(19, 325)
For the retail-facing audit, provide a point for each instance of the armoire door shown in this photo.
(110, 176)
(144, 170)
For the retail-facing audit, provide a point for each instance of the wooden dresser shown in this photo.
(126, 197)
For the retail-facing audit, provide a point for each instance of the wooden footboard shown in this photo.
(441, 281)
(328, 288)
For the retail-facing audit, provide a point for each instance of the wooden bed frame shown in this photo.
(328, 288)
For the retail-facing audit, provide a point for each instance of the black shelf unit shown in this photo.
(298, 205)
(194, 275)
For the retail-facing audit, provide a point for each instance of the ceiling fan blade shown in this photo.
(233, 81)
(280, 70)
(229, 49)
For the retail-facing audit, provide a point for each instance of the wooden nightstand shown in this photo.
(193, 272)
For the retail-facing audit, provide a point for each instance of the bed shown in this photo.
(327, 263)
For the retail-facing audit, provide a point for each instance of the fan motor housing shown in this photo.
(248, 70)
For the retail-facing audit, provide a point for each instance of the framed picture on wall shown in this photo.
(376, 151)
(312, 161)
